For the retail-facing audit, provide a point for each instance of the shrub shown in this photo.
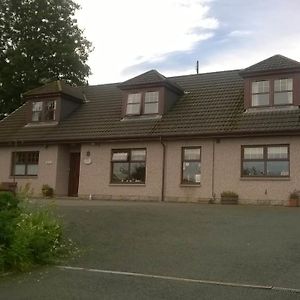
(28, 237)
(47, 191)
(294, 195)
(229, 194)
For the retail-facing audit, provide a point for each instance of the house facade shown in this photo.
(185, 138)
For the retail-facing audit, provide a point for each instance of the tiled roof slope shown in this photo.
(58, 86)
(149, 77)
(276, 62)
(212, 104)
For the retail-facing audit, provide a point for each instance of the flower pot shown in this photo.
(229, 200)
(293, 202)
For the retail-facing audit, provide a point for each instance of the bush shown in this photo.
(229, 194)
(294, 195)
(47, 191)
(28, 237)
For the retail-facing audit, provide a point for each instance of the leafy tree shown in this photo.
(40, 41)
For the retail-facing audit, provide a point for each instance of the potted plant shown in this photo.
(228, 197)
(47, 191)
(294, 199)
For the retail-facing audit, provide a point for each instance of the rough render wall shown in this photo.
(251, 190)
(175, 191)
(95, 177)
(46, 171)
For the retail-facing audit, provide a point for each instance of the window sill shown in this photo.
(287, 107)
(141, 117)
(265, 178)
(127, 184)
(190, 185)
(41, 124)
(23, 177)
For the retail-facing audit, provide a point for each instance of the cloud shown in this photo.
(126, 33)
(133, 36)
(239, 33)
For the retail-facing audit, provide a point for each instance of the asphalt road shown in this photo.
(237, 244)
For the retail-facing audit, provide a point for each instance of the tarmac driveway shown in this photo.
(171, 251)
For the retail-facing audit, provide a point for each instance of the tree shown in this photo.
(40, 41)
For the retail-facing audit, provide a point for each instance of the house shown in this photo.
(184, 138)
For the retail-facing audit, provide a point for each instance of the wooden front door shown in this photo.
(74, 174)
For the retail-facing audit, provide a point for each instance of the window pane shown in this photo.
(283, 85)
(278, 168)
(133, 109)
(134, 98)
(37, 106)
(36, 116)
(278, 152)
(117, 156)
(137, 172)
(151, 97)
(120, 172)
(191, 172)
(260, 99)
(20, 169)
(253, 168)
(283, 98)
(20, 157)
(260, 86)
(139, 154)
(191, 154)
(32, 169)
(151, 108)
(50, 110)
(254, 153)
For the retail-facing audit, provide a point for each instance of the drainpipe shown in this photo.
(213, 173)
(163, 171)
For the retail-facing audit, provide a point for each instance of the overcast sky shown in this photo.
(134, 36)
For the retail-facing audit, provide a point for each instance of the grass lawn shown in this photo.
(239, 244)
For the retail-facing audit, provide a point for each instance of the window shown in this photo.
(265, 161)
(128, 166)
(191, 165)
(260, 93)
(50, 110)
(142, 103)
(25, 163)
(43, 111)
(37, 111)
(151, 103)
(134, 104)
(283, 91)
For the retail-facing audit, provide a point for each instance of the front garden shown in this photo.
(29, 236)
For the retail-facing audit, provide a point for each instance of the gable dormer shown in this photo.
(52, 102)
(149, 94)
(272, 83)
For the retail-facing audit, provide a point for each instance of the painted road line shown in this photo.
(220, 283)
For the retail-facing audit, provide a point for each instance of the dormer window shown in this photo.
(134, 104)
(143, 103)
(261, 93)
(151, 103)
(50, 110)
(43, 111)
(283, 91)
(37, 111)
(273, 92)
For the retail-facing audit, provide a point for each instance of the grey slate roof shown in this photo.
(149, 77)
(276, 62)
(58, 86)
(212, 104)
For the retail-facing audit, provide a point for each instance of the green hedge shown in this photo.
(28, 237)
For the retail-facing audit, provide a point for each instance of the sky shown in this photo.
(133, 36)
